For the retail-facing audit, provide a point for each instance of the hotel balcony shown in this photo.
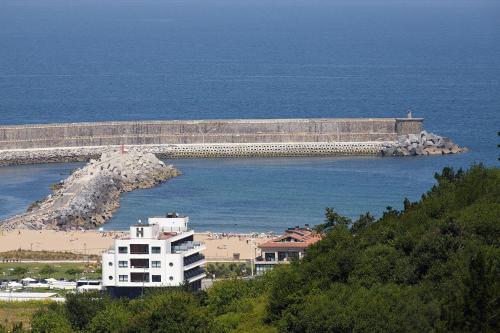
(194, 274)
(193, 260)
(188, 248)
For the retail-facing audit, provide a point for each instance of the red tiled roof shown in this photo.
(303, 238)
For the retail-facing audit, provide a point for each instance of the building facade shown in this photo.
(285, 248)
(161, 253)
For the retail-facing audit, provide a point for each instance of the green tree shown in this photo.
(362, 222)
(169, 311)
(332, 219)
(82, 307)
(114, 318)
(20, 271)
(223, 294)
(74, 271)
(47, 271)
(52, 320)
(481, 296)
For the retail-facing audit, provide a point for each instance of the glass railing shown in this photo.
(193, 272)
(186, 246)
(192, 259)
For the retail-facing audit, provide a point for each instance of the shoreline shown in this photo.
(219, 246)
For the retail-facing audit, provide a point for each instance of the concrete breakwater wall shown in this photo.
(203, 138)
(205, 131)
(291, 149)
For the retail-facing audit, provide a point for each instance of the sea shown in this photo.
(98, 60)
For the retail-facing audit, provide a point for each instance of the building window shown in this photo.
(155, 264)
(139, 263)
(123, 264)
(122, 249)
(261, 269)
(139, 277)
(110, 263)
(139, 249)
(155, 278)
(171, 264)
(123, 278)
(269, 256)
(171, 278)
(110, 277)
(155, 249)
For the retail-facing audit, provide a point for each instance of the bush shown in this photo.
(169, 311)
(20, 271)
(74, 271)
(113, 318)
(47, 271)
(81, 308)
(223, 294)
(51, 320)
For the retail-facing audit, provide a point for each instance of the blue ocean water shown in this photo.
(86, 60)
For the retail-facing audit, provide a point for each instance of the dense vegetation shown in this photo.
(62, 270)
(45, 255)
(432, 267)
(224, 270)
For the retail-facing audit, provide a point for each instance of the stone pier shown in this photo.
(42, 143)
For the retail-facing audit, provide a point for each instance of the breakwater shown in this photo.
(203, 138)
(90, 195)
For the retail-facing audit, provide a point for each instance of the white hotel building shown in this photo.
(161, 253)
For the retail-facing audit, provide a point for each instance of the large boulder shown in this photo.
(423, 143)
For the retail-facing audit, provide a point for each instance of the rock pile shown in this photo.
(421, 144)
(91, 194)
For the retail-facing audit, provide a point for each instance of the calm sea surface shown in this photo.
(89, 60)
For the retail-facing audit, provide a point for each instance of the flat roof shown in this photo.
(167, 235)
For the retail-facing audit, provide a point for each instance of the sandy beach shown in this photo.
(219, 246)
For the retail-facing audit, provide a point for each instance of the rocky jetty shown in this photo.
(421, 144)
(89, 196)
